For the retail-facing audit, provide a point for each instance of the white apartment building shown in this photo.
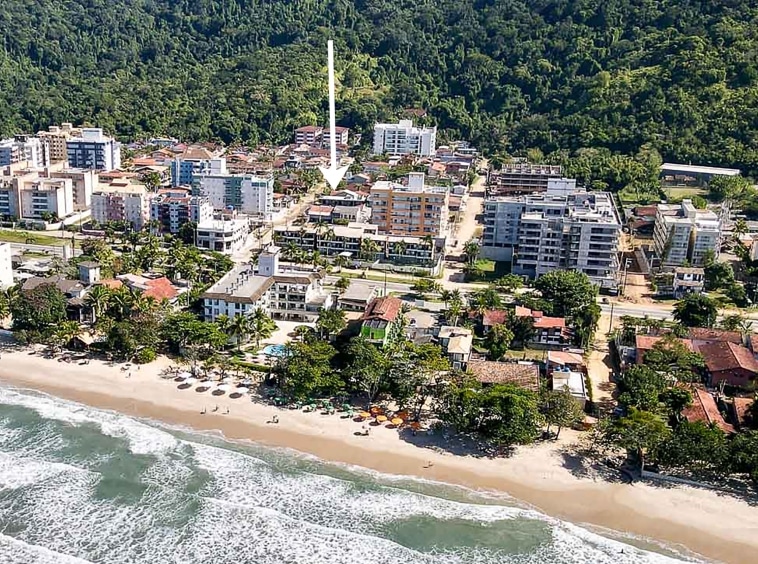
(195, 161)
(416, 209)
(6, 266)
(46, 196)
(83, 183)
(544, 232)
(309, 134)
(289, 294)
(522, 178)
(93, 150)
(29, 196)
(225, 236)
(24, 148)
(684, 233)
(244, 193)
(55, 139)
(402, 138)
(172, 209)
(121, 201)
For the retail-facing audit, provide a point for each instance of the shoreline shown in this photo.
(702, 522)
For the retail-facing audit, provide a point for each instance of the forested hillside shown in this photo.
(508, 74)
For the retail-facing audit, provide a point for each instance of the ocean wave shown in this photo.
(14, 551)
(142, 438)
(193, 502)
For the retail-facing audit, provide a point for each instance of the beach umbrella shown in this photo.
(247, 382)
(381, 418)
(416, 425)
(397, 421)
(364, 414)
(223, 387)
(241, 390)
(185, 374)
(190, 380)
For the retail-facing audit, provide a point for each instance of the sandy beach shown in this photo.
(711, 524)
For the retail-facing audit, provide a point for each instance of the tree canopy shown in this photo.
(638, 78)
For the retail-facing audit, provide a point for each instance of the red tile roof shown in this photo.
(704, 409)
(540, 321)
(111, 283)
(386, 309)
(494, 317)
(742, 410)
(727, 356)
(160, 289)
(320, 210)
(715, 335)
(647, 342)
(309, 129)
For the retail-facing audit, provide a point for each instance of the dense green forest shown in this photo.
(681, 75)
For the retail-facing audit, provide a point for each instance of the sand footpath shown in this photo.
(717, 526)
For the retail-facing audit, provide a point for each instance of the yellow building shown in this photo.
(414, 209)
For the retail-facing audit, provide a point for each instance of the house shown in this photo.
(523, 374)
(688, 280)
(421, 326)
(157, 287)
(565, 359)
(380, 318)
(493, 317)
(644, 343)
(74, 290)
(704, 409)
(565, 378)
(730, 363)
(357, 297)
(548, 331)
(740, 411)
(457, 343)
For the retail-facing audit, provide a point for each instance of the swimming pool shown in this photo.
(274, 350)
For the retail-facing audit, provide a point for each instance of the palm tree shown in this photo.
(471, 251)
(97, 299)
(454, 312)
(331, 321)
(342, 284)
(261, 326)
(399, 248)
(341, 262)
(239, 329)
(428, 241)
(369, 248)
(224, 323)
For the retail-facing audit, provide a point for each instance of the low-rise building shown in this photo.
(456, 342)
(225, 236)
(730, 363)
(341, 136)
(685, 234)
(357, 297)
(157, 287)
(379, 322)
(339, 239)
(548, 331)
(288, 294)
(522, 374)
(309, 135)
(688, 280)
(705, 410)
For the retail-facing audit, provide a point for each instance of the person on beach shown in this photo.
(203, 411)
(227, 410)
(215, 409)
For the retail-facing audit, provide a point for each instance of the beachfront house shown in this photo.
(380, 320)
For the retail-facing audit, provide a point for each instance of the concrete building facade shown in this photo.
(24, 148)
(225, 236)
(121, 201)
(245, 193)
(522, 178)
(93, 150)
(685, 234)
(403, 138)
(83, 183)
(195, 161)
(416, 209)
(544, 232)
(55, 139)
(174, 209)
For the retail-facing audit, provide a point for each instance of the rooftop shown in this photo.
(386, 309)
(524, 375)
(704, 409)
(693, 169)
(240, 285)
(723, 356)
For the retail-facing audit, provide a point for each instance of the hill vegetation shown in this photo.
(679, 76)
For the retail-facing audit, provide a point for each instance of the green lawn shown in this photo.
(685, 192)
(35, 238)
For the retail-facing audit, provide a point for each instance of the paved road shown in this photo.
(51, 250)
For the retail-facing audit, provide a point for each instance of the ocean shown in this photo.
(80, 485)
